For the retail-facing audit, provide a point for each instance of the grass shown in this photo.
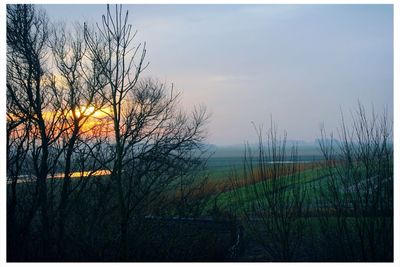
(305, 177)
(321, 239)
(311, 180)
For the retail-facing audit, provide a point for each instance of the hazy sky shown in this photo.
(298, 63)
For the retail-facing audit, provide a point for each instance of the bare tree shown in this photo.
(154, 142)
(359, 187)
(33, 99)
(79, 81)
(17, 148)
(144, 145)
(272, 202)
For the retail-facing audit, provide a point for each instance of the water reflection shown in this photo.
(75, 175)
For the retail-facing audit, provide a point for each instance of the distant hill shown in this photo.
(305, 149)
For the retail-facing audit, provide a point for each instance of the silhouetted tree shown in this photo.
(76, 104)
(33, 100)
(79, 81)
(359, 187)
(154, 142)
(272, 201)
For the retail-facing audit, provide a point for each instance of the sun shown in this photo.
(84, 111)
(92, 112)
(94, 120)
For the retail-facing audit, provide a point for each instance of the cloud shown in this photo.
(226, 78)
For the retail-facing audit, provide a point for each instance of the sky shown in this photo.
(299, 64)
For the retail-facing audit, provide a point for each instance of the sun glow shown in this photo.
(83, 174)
(85, 111)
(94, 121)
(91, 111)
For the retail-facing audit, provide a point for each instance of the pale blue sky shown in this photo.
(300, 63)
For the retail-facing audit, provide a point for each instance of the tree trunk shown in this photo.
(124, 238)
(64, 196)
(42, 186)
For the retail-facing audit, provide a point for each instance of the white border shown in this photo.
(3, 195)
(203, 2)
(396, 130)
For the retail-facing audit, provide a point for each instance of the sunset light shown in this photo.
(91, 111)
